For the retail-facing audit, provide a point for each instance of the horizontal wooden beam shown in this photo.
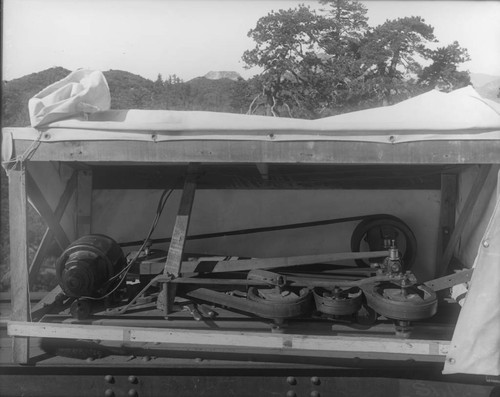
(279, 176)
(234, 341)
(324, 152)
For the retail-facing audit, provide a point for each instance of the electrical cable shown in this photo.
(123, 273)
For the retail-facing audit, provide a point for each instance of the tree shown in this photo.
(324, 62)
(158, 94)
(443, 73)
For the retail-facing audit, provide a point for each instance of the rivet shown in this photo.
(451, 361)
(291, 393)
(132, 393)
(146, 358)
(109, 379)
(315, 380)
(392, 139)
(291, 380)
(486, 243)
(109, 393)
(132, 379)
(315, 393)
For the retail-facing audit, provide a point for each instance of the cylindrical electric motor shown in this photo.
(87, 265)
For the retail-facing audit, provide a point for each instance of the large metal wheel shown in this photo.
(415, 302)
(369, 235)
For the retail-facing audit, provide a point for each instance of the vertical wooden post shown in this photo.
(19, 258)
(181, 227)
(446, 214)
(84, 203)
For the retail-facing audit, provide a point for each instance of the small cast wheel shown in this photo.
(415, 302)
(276, 303)
(338, 302)
(369, 235)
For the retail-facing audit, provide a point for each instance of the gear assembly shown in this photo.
(374, 281)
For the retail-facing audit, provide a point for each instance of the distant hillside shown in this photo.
(128, 90)
(17, 92)
(490, 90)
(221, 92)
(481, 79)
(486, 85)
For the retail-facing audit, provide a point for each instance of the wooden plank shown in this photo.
(234, 341)
(181, 227)
(44, 304)
(19, 284)
(48, 237)
(205, 266)
(84, 202)
(176, 249)
(446, 213)
(327, 152)
(476, 191)
(38, 200)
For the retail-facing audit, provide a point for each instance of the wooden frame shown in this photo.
(256, 152)
(322, 152)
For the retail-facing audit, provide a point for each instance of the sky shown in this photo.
(190, 38)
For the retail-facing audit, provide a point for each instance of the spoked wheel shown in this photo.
(415, 302)
(338, 302)
(369, 235)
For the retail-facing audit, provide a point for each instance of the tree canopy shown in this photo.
(324, 61)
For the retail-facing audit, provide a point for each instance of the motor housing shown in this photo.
(87, 265)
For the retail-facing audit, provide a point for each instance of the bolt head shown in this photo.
(315, 393)
(291, 380)
(291, 393)
(132, 393)
(132, 379)
(109, 379)
(315, 380)
(109, 393)
(486, 243)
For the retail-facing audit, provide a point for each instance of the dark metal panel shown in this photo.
(111, 382)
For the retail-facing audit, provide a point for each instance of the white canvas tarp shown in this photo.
(475, 346)
(81, 92)
(84, 95)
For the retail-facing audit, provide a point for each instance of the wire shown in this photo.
(123, 273)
